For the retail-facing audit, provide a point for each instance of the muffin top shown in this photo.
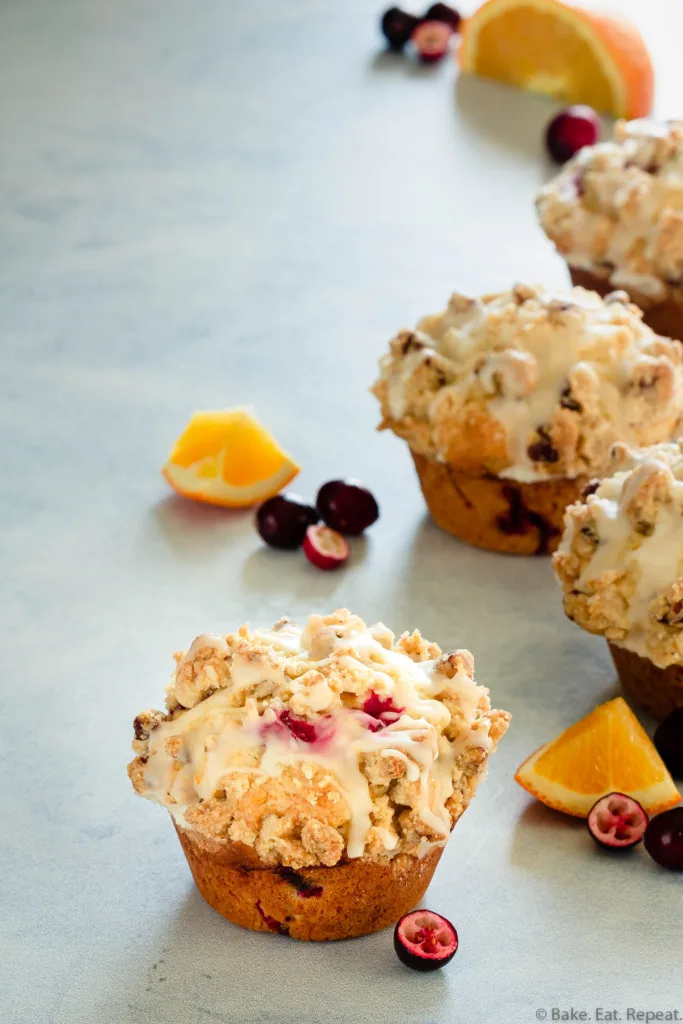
(621, 556)
(616, 208)
(531, 384)
(315, 745)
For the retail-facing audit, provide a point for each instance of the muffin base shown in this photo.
(658, 690)
(665, 318)
(350, 899)
(494, 513)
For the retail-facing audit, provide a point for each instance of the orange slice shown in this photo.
(228, 458)
(607, 751)
(563, 50)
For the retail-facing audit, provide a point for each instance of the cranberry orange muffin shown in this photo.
(510, 404)
(314, 775)
(621, 567)
(615, 212)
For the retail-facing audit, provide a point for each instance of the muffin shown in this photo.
(511, 403)
(615, 213)
(621, 568)
(314, 775)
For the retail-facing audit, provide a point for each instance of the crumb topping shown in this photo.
(616, 208)
(531, 384)
(620, 561)
(313, 745)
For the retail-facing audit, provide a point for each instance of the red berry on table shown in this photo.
(425, 941)
(570, 131)
(347, 506)
(397, 27)
(432, 40)
(617, 822)
(664, 839)
(669, 742)
(442, 12)
(325, 548)
(282, 521)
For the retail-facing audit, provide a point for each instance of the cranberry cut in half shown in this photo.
(617, 822)
(397, 27)
(432, 40)
(282, 521)
(669, 742)
(664, 839)
(570, 131)
(347, 506)
(325, 548)
(425, 941)
(442, 12)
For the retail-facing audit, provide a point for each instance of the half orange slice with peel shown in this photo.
(607, 751)
(566, 50)
(228, 458)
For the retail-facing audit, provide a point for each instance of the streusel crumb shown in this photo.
(616, 209)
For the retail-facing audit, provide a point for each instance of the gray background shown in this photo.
(212, 203)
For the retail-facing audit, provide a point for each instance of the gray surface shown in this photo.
(206, 204)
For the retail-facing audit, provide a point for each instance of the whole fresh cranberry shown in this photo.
(669, 742)
(571, 130)
(442, 12)
(282, 521)
(347, 506)
(397, 27)
(664, 839)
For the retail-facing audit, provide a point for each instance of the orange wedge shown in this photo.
(228, 458)
(564, 50)
(607, 751)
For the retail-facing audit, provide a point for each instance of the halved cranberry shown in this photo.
(325, 548)
(425, 941)
(617, 822)
(432, 40)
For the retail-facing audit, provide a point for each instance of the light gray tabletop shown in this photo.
(206, 204)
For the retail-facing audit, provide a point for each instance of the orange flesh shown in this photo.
(535, 50)
(607, 750)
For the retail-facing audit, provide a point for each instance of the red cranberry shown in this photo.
(442, 12)
(664, 839)
(300, 728)
(325, 548)
(397, 27)
(617, 822)
(425, 941)
(347, 506)
(432, 40)
(570, 131)
(382, 709)
(669, 742)
(282, 521)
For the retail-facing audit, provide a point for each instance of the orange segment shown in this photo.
(228, 458)
(562, 50)
(607, 751)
